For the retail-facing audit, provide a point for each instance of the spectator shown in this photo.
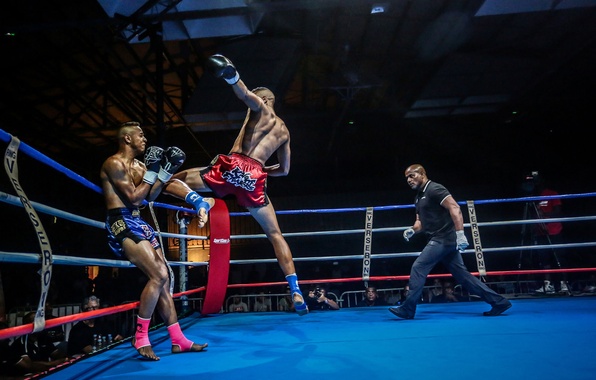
(392, 297)
(404, 293)
(238, 306)
(104, 286)
(371, 298)
(27, 355)
(8, 357)
(262, 303)
(435, 290)
(81, 339)
(547, 234)
(447, 294)
(317, 300)
(54, 336)
(286, 304)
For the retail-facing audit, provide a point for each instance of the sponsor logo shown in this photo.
(221, 241)
(147, 231)
(153, 155)
(240, 179)
(117, 227)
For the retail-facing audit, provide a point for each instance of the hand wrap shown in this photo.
(461, 241)
(408, 233)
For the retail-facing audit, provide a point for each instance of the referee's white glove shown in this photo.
(461, 241)
(408, 233)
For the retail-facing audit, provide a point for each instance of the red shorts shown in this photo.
(239, 175)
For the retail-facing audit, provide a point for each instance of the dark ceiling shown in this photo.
(476, 89)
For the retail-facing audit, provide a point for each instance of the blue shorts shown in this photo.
(123, 223)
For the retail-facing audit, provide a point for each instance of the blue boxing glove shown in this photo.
(461, 241)
(408, 233)
(171, 161)
(153, 156)
(222, 67)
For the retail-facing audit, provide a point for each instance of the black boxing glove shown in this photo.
(153, 157)
(222, 67)
(171, 161)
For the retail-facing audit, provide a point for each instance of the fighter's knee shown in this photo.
(160, 277)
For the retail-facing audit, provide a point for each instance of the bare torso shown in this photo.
(262, 134)
(118, 175)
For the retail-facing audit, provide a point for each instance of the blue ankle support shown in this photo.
(204, 205)
(293, 282)
(197, 201)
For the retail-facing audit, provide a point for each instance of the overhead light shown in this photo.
(378, 8)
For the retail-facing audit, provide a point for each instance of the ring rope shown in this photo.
(58, 321)
(395, 207)
(399, 228)
(11, 199)
(46, 160)
(4, 136)
(33, 258)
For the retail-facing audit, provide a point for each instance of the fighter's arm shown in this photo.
(115, 172)
(282, 168)
(156, 189)
(222, 67)
(249, 98)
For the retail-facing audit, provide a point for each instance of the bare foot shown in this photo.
(299, 304)
(298, 299)
(194, 348)
(145, 351)
(203, 214)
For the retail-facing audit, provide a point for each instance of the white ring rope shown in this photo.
(33, 258)
(11, 199)
(366, 256)
(69, 260)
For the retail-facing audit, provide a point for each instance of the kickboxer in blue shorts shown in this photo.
(126, 183)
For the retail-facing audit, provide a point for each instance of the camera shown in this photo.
(317, 292)
(530, 182)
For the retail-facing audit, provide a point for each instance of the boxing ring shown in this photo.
(540, 337)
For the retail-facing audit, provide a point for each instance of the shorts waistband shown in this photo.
(246, 158)
(124, 211)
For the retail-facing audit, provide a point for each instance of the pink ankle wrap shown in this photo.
(178, 339)
(142, 333)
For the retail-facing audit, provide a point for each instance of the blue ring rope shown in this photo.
(4, 136)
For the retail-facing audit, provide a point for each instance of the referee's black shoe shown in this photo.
(497, 309)
(400, 312)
